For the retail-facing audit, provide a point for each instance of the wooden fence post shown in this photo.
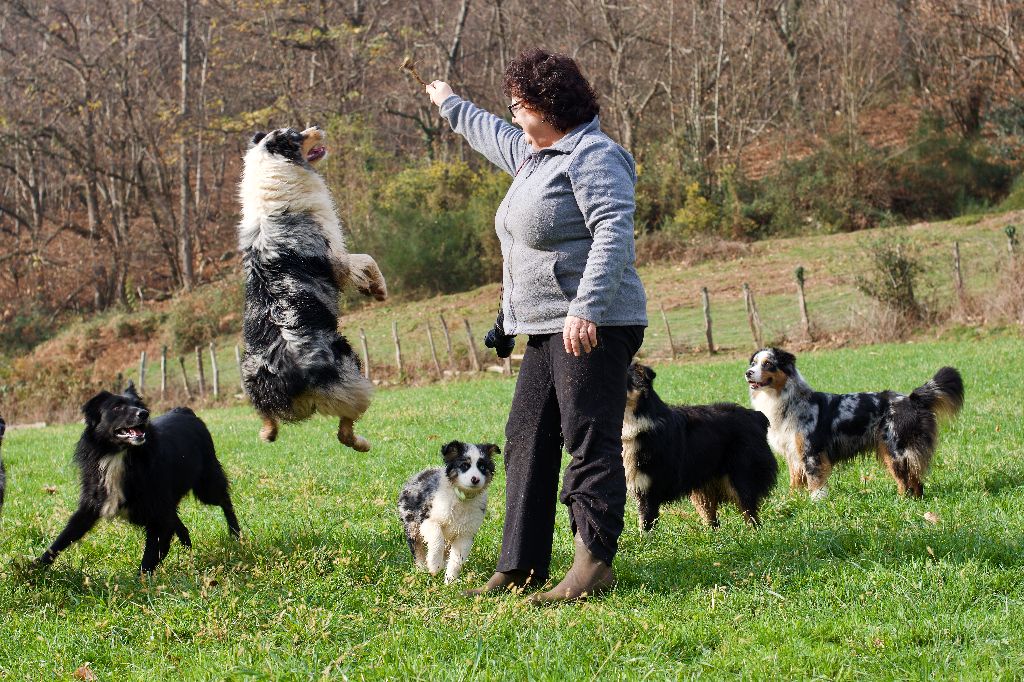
(958, 278)
(398, 349)
(752, 317)
(366, 353)
(202, 375)
(216, 371)
(804, 320)
(163, 372)
(184, 376)
(433, 352)
(1011, 241)
(473, 357)
(507, 367)
(707, 319)
(238, 362)
(447, 342)
(142, 373)
(668, 331)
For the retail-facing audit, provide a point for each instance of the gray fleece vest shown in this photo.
(565, 225)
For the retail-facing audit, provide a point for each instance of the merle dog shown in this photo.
(139, 469)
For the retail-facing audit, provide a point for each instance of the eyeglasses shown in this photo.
(514, 107)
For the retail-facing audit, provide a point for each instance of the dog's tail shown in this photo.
(943, 394)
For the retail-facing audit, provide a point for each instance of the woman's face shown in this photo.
(539, 133)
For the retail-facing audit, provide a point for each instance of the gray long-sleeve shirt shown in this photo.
(565, 225)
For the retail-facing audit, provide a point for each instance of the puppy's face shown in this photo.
(639, 382)
(117, 420)
(470, 467)
(770, 369)
(300, 147)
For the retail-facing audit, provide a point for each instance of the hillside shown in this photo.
(50, 382)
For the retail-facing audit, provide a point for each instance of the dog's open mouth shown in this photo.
(316, 153)
(136, 435)
(759, 384)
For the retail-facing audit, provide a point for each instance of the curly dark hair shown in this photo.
(552, 85)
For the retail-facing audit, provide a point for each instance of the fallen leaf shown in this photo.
(84, 672)
(931, 552)
(50, 489)
(931, 517)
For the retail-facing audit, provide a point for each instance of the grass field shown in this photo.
(860, 586)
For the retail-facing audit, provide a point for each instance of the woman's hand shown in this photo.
(579, 334)
(439, 91)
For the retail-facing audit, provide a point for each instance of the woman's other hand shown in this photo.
(439, 91)
(579, 334)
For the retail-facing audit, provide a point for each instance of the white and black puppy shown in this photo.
(814, 430)
(140, 469)
(443, 508)
(296, 264)
(3, 472)
(712, 453)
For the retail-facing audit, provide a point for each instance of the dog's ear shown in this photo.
(91, 410)
(451, 450)
(785, 360)
(256, 138)
(490, 449)
(649, 374)
(129, 390)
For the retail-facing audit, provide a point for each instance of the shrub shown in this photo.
(196, 318)
(891, 273)
(697, 216)
(841, 187)
(433, 228)
(944, 175)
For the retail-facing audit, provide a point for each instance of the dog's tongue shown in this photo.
(316, 153)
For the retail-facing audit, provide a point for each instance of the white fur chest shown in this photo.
(457, 517)
(112, 471)
(784, 433)
(270, 186)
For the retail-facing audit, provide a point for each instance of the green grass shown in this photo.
(858, 586)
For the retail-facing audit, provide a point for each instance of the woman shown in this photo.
(566, 232)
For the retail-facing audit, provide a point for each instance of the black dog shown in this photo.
(713, 453)
(140, 469)
(3, 472)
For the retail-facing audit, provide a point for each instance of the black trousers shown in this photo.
(579, 402)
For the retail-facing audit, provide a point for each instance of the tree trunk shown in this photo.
(184, 225)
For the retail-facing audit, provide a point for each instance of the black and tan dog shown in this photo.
(713, 453)
(814, 430)
(140, 469)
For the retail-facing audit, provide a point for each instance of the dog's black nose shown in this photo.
(474, 480)
(143, 414)
(750, 373)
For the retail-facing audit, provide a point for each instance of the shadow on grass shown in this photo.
(729, 556)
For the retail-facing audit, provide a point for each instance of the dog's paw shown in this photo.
(268, 434)
(450, 577)
(360, 444)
